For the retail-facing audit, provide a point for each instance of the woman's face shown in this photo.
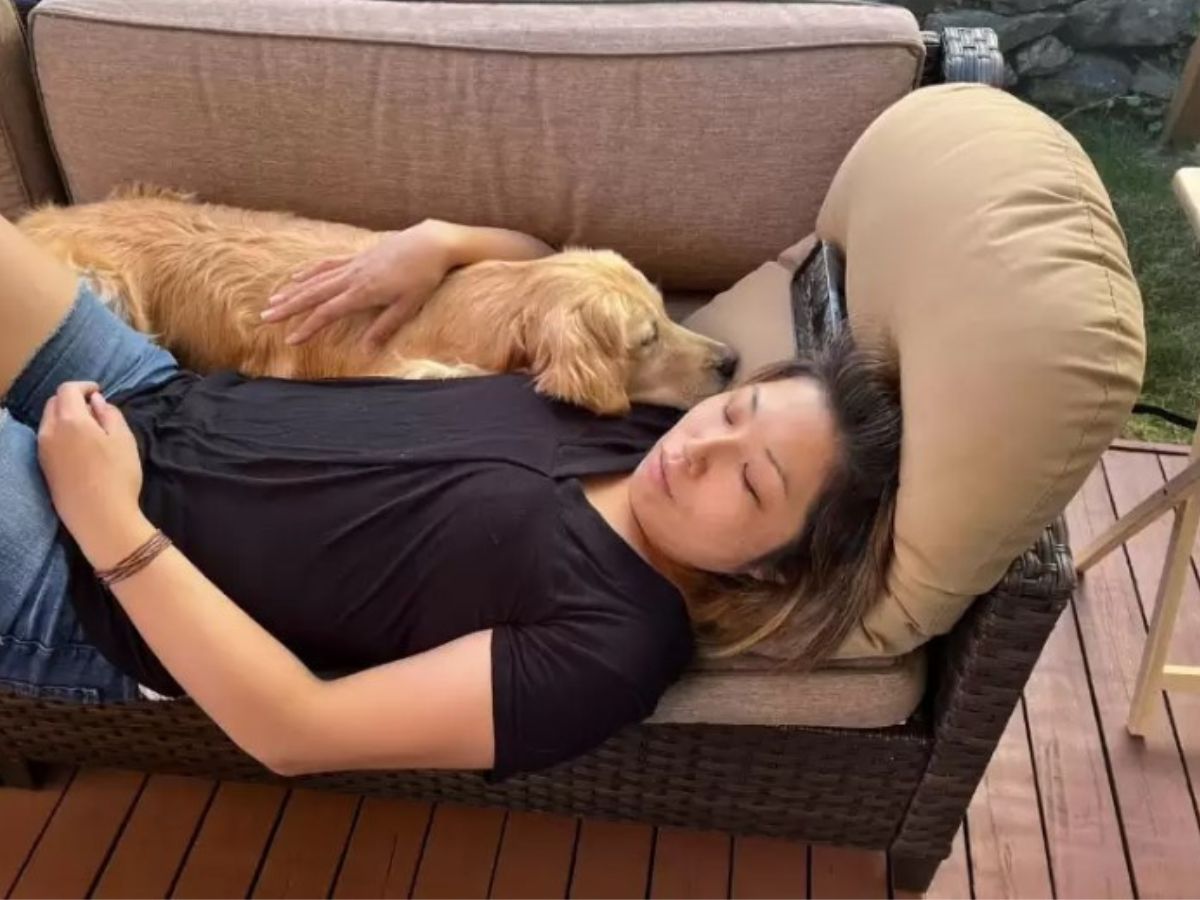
(733, 479)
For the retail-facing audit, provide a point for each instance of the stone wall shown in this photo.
(1070, 53)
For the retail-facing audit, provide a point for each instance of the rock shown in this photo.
(920, 8)
(1087, 78)
(1011, 78)
(1045, 56)
(1130, 23)
(963, 18)
(1013, 31)
(1017, 7)
(1154, 82)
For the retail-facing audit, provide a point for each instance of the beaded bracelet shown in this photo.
(135, 561)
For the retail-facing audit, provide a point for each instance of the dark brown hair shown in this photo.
(808, 594)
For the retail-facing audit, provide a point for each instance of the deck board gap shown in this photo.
(187, 851)
(1099, 723)
(262, 859)
(496, 856)
(337, 870)
(112, 847)
(574, 857)
(650, 867)
(1037, 792)
(412, 883)
(41, 833)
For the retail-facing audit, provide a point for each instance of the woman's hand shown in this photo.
(90, 460)
(396, 276)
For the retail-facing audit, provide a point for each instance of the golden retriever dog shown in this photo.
(587, 325)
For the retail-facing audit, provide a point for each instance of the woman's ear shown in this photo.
(577, 354)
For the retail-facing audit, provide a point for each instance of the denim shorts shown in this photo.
(43, 650)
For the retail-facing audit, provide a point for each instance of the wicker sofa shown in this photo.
(902, 788)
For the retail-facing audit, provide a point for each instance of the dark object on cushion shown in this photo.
(818, 298)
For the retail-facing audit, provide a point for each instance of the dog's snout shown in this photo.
(726, 363)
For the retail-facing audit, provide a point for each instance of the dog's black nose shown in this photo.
(727, 364)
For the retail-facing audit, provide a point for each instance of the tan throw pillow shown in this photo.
(982, 245)
(754, 317)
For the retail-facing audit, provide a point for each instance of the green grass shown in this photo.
(1163, 251)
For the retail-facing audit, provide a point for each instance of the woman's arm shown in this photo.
(432, 710)
(429, 711)
(397, 275)
(467, 244)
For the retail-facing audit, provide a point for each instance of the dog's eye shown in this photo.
(651, 337)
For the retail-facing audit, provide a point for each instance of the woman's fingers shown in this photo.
(327, 312)
(316, 269)
(106, 414)
(387, 323)
(72, 399)
(49, 416)
(313, 293)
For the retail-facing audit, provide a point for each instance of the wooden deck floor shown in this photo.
(1070, 807)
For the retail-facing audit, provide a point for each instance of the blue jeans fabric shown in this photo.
(43, 651)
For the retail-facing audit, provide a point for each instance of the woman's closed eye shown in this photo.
(749, 485)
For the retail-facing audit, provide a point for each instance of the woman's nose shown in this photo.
(701, 450)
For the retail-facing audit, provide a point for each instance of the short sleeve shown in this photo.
(562, 688)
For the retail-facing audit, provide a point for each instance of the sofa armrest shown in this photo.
(963, 55)
(28, 174)
(979, 670)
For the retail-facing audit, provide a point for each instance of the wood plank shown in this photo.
(847, 872)
(1150, 447)
(1180, 678)
(690, 863)
(1086, 852)
(612, 860)
(1187, 629)
(766, 868)
(232, 838)
(1149, 509)
(308, 845)
(1130, 478)
(1160, 824)
(953, 878)
(23, 816)
(153, 845)
(535, 856)
(1007, 846)
(80, 834)
(381, 860)
(460, 852)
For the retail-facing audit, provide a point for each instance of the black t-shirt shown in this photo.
(361, 521)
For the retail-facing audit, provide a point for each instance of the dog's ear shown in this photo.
(577, 353)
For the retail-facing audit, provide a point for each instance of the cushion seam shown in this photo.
(12, 154)
(915, 49)
(51, 141)
(9, 147)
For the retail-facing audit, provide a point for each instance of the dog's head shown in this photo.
(597, 334)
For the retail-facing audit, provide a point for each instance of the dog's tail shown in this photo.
(141, 189)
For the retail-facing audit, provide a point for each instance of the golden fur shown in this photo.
(586, 324)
